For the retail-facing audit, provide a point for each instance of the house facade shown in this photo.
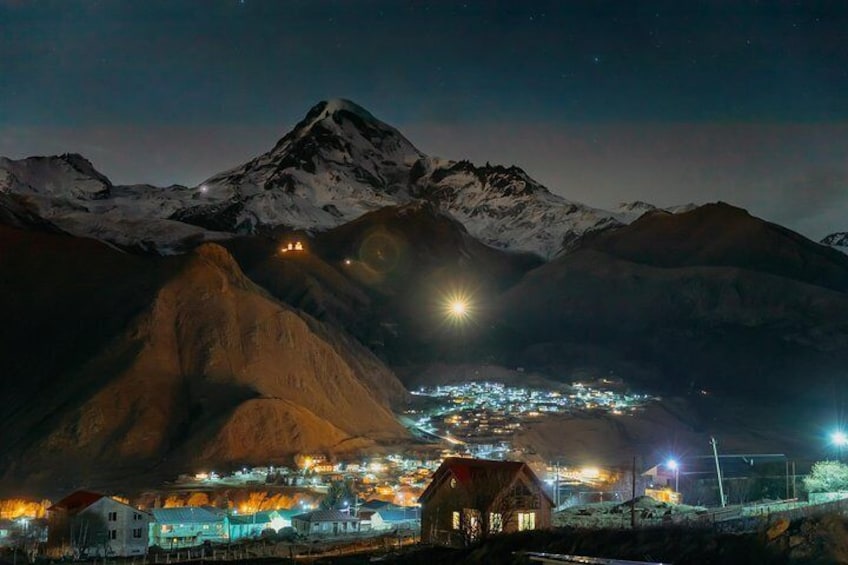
(325, 523)
(189, 526)
(251, 526)
(471, 499)
(88, 524)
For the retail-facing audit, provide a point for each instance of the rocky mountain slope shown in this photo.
(133, 362)
(838, 240)
(337, 164)
(384, 277)
(712, 298)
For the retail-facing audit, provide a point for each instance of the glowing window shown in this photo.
(495, 522)
(526, 521)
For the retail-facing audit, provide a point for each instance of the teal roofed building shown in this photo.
(189, 526)
(251, 526)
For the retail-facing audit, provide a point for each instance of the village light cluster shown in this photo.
(483, 411)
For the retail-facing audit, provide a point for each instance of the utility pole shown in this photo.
(556, 484)
(794, 493)
(718, 472)
(633, 496)
(787, 478)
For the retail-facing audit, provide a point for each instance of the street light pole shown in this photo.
(718, 472)
(674, 466)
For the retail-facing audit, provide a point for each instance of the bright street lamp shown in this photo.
(840, 440)
(672, 464)
(458, 308)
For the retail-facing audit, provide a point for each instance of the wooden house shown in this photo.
(471, 499)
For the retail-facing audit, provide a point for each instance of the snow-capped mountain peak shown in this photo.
(69, 176)
(838, 240)
(338, 163)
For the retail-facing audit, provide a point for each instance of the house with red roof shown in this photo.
(87, 524)
(471, 499)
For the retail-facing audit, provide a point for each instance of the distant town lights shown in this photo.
(590, 472)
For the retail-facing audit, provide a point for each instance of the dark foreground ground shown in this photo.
(810, 541)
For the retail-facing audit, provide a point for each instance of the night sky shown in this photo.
(603, 102)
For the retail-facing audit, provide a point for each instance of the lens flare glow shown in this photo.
(458, 308)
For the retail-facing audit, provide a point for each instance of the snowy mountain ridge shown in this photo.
(337, 164)
(838, 240)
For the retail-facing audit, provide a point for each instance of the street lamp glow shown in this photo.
(671, 464)
(839, 438)
(458, 308)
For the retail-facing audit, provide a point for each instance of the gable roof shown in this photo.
(259, 518)
(185, 515)
(76, 501)
(374, 503)
(466, 471)
(325, 516)
(399, 514)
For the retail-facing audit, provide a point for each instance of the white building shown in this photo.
(88, 524)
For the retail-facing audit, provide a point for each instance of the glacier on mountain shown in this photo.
(337, 164)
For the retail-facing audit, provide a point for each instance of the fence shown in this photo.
(769, 516)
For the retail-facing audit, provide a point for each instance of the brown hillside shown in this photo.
(686, 327)
(721, 235)
(211, 369)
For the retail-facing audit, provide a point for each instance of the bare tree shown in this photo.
(490, 504)
(89, 533)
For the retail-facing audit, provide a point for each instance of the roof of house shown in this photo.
(374, 503)
(76, 501)
(185, 514)
(466, 471)
(325, 516)
(400, 514)
(366, 514)
(262, 517)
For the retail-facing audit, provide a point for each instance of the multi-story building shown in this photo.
(89, 524)
(175, 528)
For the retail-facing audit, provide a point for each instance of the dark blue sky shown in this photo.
(602, 101)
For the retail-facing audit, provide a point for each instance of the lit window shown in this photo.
(455, 520)
(526, 521)
(495, 522)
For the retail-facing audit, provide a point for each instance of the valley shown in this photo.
(299, 303)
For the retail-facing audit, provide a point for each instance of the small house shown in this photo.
(470, 499)
(325, 523)
(251, 526)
